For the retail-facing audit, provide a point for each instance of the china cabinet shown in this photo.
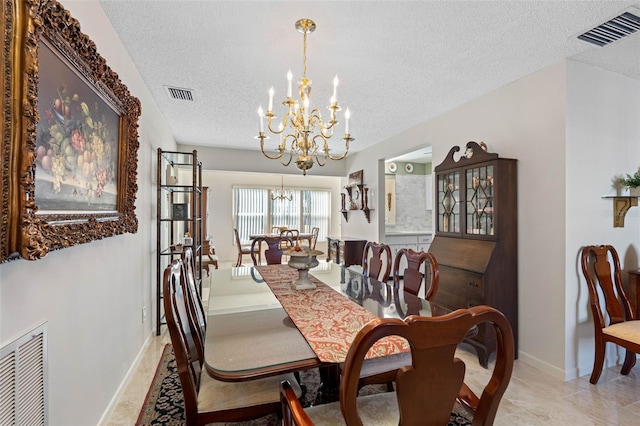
(476, 239)
(179, 215)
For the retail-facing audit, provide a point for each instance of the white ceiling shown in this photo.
(399, 62)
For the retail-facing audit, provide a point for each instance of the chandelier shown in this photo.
(302, 129)
(281, 196)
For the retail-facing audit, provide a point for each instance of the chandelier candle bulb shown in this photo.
(270, 99)
(261, 115)
(335, 89)
(289, 79)
(347, 114)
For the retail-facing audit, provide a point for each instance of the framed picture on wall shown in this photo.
(74, 150)
(355, 178)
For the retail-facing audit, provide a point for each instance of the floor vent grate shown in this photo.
(619, 27)
(23, 380)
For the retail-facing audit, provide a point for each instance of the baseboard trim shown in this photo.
(125, 381)
(543, 366)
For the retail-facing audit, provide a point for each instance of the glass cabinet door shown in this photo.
(449, 202)
(479, 200)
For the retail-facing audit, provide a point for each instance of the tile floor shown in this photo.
(533, 397)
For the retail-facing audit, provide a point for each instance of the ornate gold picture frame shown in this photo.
(69, 139)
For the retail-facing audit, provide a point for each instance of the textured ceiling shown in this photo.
(399, 62)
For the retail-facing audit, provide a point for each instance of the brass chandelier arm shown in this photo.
(262, 137)
(316, 119)
(270, 116)
(325, 148)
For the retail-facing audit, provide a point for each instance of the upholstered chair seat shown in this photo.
(215, 395)
(379, 409)
(628, 330)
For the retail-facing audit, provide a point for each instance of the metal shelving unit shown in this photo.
(179, 216)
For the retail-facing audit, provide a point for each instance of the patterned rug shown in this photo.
(164, 404)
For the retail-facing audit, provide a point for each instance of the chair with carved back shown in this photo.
(412, 276)
(276, 230)
(207, 400)
(383, 370)
(601, 269)
(373, 256)
(194, 290)
(242, 248)
(314, 237)
(293, 238)
(427, 388)
(273, 252)
(209, 250)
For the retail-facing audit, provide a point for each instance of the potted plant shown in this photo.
(632, 182)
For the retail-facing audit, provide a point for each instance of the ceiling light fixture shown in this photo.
(281, 196)
(307, 134)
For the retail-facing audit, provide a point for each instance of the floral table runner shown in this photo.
(328, 320)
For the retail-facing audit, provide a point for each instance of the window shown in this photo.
(254, 212)
(250, 211)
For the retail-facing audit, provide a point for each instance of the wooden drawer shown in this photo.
(459, 288)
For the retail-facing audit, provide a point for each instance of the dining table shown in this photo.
(301, 236)
(258, 326)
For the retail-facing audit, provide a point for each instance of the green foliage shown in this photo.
(630, 181)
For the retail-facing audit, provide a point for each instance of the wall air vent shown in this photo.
(180, 93)
(24, 380)
(612, 30)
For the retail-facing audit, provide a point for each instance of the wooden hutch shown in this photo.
(476, 238)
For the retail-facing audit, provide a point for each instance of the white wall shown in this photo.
(523, 120)
(92, 294)
(603, 140)
(220, 224)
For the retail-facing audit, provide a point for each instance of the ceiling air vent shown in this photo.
(612, 30)
(180, 94)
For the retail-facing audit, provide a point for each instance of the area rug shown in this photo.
(164, 404)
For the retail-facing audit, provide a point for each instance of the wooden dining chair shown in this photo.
(242, 248)
(314, 237)
(207, 400)
(209, 250)
(273, 253)
(383, 370)
(601, 269)
(427, 388)
(412, 276)
(293, 238)
(197, 311)
(373, 256)
(276, 230)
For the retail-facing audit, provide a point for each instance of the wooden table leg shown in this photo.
(329, 390)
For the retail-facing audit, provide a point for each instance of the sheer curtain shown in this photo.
(316, 212)
(250, 212)
(255, 213)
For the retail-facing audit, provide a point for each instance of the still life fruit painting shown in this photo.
(76, 142)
